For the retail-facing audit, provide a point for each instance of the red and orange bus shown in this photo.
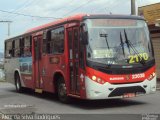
(84, 56)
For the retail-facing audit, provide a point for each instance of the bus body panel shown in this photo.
(10, 66)
(23, 67)
(50, 66)
(105, 91)
(84, 83)
(111, 89)
(121, 78)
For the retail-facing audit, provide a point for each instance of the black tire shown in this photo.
(18, 84)
(62, 92)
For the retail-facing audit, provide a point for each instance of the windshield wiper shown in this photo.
(122, 44)
(105, 36)
(130, 45)
(127, 41)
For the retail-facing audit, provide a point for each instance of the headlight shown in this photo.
(98, 80)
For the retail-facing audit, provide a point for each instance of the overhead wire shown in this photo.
(102, 8)
(23, 5)
(33, 16)
(37, 2)
(55, 10)
(27, 15)
(111, 4)
(64, 6)
(80, 6)
(26, 3)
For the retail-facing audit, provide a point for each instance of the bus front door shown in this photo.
(73, 45)
(37, 63)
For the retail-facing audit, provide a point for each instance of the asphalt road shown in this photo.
(30, 102)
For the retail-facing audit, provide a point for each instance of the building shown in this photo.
(152, 14)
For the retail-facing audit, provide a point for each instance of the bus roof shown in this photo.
(83, 16)
(71, 18)
(78, 17)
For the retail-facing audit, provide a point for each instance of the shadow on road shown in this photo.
(83, 104)
(100, 104)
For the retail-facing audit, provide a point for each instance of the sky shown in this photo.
(51, 10)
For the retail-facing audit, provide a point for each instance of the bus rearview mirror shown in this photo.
(84, 36)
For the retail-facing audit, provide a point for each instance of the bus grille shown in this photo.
(123, 90)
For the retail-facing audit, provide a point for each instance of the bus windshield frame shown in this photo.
(118, 41)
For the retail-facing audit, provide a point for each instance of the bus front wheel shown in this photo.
(62, 91)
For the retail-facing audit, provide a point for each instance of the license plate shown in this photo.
(129, 95)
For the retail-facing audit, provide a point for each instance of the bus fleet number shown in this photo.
(135, 76)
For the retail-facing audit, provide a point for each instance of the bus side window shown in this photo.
(57, 41)
(27, 46)
(82, 49)
(48, 42)
(8, 49)
(13, 48)
(22, 47)
(17, 48)
(10, 53)
(44, 46)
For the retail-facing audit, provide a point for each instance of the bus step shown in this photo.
(37, 90)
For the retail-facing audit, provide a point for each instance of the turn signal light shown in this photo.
(151, 76)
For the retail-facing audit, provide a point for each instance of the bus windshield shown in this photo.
(118, 41)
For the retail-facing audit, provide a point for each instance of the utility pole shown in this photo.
(133, 7)
(8, 26)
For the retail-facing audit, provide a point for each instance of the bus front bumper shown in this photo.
(111, 91)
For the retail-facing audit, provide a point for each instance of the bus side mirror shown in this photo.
(83, 34)
(84, 38)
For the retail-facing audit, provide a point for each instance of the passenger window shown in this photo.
(17, 48)
(53, 41)
(22, 47)
(46, 41)
(57, 41)
(8, 49)
(27, 46)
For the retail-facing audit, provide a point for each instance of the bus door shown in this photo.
(37, 40)
(73, 45)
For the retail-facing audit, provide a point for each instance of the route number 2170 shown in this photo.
(138, 58)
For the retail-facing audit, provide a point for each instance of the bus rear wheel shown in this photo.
(62, 91)
(18, 84)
